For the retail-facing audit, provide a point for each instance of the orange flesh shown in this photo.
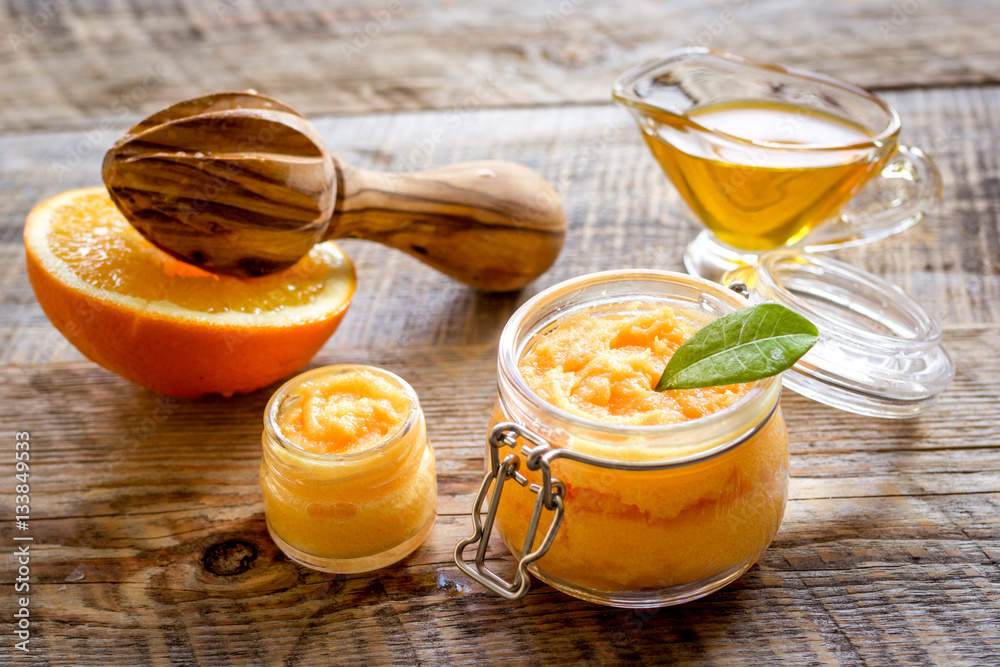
(626, 530)
(361, 506)
(100, 246)
(169, 326)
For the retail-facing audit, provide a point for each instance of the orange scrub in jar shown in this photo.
(347, 474)
(585, 381)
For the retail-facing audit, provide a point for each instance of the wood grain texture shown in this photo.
(237, 183)
(65, 63)
(466, 219)
(620, 209)
(888, 553)
(149, 540)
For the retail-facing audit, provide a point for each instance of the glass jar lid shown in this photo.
(879, 352)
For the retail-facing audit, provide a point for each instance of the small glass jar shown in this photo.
(627, 516)
(352, 512)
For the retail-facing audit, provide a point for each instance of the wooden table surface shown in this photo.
(148, 538)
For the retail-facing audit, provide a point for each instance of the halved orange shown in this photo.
(167, 325)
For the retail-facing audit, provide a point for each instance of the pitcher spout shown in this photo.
(663, 86)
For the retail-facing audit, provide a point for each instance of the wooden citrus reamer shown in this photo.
(239, 183)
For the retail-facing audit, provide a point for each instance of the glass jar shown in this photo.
(627, 516)
(351, 512)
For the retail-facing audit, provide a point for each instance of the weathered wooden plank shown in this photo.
(890, 588)
(800, 620)
(818, 533)
(138, 529)
(104, 421)
(621, 211)
(76, 63)
(890, 548)
(854, 558)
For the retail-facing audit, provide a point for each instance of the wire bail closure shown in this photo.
(538, 455)
(550, 497)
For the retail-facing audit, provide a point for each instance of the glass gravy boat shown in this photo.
(769, 157)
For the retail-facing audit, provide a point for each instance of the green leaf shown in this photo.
(746, 345)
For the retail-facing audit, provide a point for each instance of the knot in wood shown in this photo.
(229, 558)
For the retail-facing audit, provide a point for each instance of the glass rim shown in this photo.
(273, 407)
(626, 82)
(923, 331)
(514, 335)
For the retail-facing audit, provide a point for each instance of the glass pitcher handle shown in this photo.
(908, 186)
(550, 495)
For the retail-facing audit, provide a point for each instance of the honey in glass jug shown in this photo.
(767, 157)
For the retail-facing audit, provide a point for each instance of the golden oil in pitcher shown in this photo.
(748, 191)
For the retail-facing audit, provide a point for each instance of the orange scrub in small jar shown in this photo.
(347, 473)
(584, 380)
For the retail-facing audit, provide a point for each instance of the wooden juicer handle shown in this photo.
(242, 184)
(491, 224)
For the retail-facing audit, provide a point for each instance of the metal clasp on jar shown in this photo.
(550, 497)
(538, 455)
